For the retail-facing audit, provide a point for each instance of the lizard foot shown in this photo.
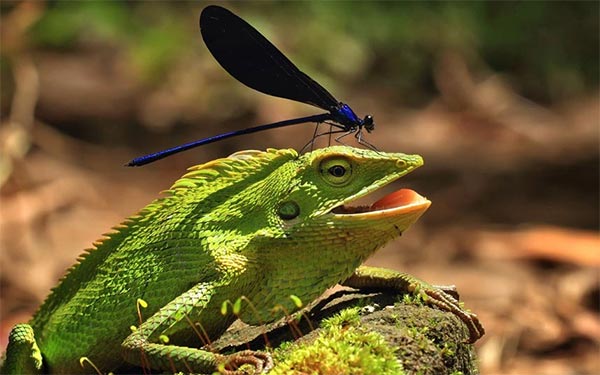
(446, 298)
(261, 361)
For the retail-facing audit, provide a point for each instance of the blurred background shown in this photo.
(500, 98)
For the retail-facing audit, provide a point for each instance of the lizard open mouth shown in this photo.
(400, 201)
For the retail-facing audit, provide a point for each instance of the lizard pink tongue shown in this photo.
(398, 198)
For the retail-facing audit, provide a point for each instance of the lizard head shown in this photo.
(329, 180)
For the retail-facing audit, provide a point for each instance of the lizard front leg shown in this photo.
(444, 298)
(147, 345)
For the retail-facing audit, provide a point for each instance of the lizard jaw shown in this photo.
(403, 201)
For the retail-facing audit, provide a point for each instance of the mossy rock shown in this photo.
(356, 333)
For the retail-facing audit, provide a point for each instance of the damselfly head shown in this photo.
(368, 123)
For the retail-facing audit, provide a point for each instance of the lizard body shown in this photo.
(262, 225)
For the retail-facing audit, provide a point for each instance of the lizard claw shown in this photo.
(448, 289)
(261, 361)
(446, 298)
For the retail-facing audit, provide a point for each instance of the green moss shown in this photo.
(343, 346)
(412, 299)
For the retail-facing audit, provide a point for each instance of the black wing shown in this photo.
(251, 59)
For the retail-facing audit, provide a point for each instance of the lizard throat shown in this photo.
(403, 200)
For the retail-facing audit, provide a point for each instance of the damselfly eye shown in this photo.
(369, 123)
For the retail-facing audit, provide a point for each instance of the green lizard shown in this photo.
(262, 225)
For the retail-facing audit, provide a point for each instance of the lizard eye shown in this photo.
(336, 171)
